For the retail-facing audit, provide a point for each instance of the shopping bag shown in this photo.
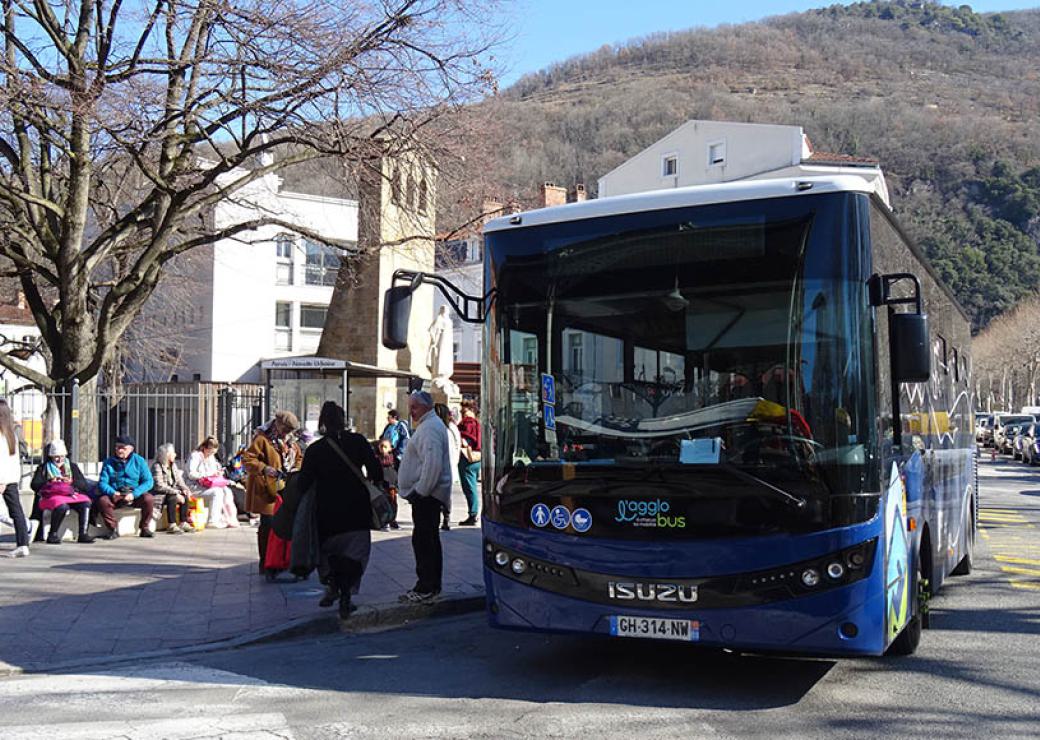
(279, 551)
(199, 513)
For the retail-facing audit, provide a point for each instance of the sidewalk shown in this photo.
(108, 600)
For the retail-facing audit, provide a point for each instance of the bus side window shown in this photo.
(940, 354)
(956, 366)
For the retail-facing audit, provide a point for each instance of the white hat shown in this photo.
(56, 448)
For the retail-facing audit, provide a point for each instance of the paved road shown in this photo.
(975, 675)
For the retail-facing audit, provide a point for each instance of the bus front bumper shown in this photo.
(842, 621)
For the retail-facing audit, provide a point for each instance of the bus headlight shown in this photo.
(810, 577)
(835, 571)
(519, 566)
(501, 558)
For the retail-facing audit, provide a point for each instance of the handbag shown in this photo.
(214, 481)
(382, 512)
(470, 455)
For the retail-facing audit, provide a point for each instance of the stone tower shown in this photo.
(395, 231)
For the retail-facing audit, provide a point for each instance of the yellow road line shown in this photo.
(1020, 571)
(1028, 585)
(1016, 561)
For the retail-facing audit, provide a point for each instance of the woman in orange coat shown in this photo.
(272, 454)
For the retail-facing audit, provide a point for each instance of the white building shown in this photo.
(460, 261)
(704, 152)
(262, 294)
(20, 337)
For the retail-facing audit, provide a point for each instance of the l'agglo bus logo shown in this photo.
(648, 513)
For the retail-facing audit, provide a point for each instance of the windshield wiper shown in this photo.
(792, 500)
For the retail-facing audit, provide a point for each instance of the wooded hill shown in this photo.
(947, 99)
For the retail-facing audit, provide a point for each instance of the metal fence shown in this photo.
(153, 414)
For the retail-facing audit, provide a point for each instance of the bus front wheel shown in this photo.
(964, 567)
(906, 642)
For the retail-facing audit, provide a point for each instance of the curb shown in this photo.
(366, 618)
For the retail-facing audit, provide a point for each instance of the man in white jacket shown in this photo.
(424, 479)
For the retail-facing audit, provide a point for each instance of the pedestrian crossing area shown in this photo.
(1013, 540)
(173, 701)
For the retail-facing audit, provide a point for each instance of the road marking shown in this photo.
(1020, 571)
(1016, 561)
(1006, 531)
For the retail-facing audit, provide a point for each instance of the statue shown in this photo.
(440, 359)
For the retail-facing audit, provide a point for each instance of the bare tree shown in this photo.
(123, 124)
(1007, 358)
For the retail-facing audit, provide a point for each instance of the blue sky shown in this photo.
(547, 31)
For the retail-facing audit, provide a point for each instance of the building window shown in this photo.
(577, 355)
(313, 317)
(717, 154)
(670, 165)
(530, 351)
(395, 186)
(451, 253)
(283, 247)
(423, 196)
(322, 264)
(283, 326)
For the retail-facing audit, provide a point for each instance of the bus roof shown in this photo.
(694, 195)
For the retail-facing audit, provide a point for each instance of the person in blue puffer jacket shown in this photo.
(125, 481)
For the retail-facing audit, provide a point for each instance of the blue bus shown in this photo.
(737, 415)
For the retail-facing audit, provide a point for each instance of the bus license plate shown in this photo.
(688, 630)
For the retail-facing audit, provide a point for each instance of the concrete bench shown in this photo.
(126, 519)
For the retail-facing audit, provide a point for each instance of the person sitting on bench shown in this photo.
(125, 481)
(59, 486)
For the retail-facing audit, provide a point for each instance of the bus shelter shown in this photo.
(303, 384)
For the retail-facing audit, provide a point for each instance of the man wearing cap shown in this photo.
(425, 481)
(125, 481)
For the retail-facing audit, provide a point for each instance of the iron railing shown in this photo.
(153, 414)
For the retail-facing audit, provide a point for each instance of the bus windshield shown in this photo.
(720, 354)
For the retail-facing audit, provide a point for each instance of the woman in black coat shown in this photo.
(343, 511)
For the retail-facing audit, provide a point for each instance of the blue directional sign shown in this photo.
(540, 515)
(548, 389)
(549, 414)
(560, 517)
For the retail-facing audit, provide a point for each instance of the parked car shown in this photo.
(1030, 453)
(1018, 440)
(984, 429)
(1003, 437)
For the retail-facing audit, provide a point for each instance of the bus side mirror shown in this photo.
(397, 309)
(911, 353)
